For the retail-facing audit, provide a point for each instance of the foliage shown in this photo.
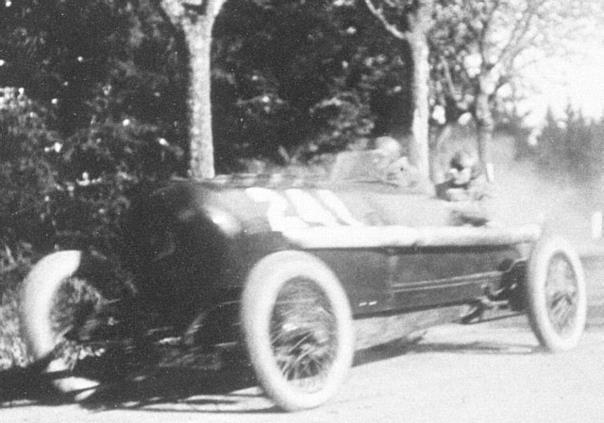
(102, 104)
(27, 175)
(572, 148)
(12, 349)
(293, 79)
(99, 105)
(89, 121)
(484, 46)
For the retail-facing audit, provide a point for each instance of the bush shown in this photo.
(27, 174)
(12, 350)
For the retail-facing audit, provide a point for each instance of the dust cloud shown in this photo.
(524, 195)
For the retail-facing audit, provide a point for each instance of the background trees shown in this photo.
(97, 104)
(98, 100)
(571, 148)
(476, 46)
(108, 82)
(294, 80)
(480, 48)
(416, 20)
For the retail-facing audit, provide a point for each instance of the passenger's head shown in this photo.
(462, 168)
(388, 146)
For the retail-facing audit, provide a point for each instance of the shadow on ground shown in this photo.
(27, 383)
(202, 390)
(403, 346)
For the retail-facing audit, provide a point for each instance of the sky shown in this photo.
(578, 78)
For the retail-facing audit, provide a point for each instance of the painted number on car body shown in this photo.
(323, 208)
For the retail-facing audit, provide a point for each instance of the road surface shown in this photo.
(480, 373)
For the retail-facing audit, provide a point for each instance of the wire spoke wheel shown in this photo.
(303, 334)
(556, 294)
(561, 294)
(60, 315)
(297, 329)
(72, 317)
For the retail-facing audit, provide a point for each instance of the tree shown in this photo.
(196, 21)
(108, 80)
(294, 80)
(481, 46)
(97, 107)
(416, 22)
(571, 149)
(27, 176)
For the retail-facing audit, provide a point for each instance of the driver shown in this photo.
(468, 188)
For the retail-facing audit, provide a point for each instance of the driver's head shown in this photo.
(462, 168)
(388, 146)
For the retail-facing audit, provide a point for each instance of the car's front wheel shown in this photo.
(58, 303)
(556, 294)
(297, 327)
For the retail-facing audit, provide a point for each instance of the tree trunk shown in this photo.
(196, 20)
(419, 147)
(198, 33)
(485, 124)
(418, 42)
(437, 139)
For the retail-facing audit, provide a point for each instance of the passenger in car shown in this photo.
(467, 186)
(393, 166)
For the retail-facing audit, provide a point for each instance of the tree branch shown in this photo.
(176, 9)
(170, 9)
(392, 29)
(515, 43)
(200, 9)
(449, 80)
(486, 26)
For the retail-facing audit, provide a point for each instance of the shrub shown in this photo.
(12, 349)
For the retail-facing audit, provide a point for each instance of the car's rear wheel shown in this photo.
(556, 294)
(297, 327)
(58, 299)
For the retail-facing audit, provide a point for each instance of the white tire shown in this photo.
(46, 314)
(556, 294)
(297, 327)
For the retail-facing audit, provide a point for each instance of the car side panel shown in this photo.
(365, 275)
(448, 275)
(385, 280)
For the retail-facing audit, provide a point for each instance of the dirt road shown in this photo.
(456, 374)
(489, 372)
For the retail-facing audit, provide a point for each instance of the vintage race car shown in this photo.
(282, 266)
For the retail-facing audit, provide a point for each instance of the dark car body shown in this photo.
(192, 244)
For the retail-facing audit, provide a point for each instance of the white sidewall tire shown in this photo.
(259, 295)
(36, 301)
(538, 315)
